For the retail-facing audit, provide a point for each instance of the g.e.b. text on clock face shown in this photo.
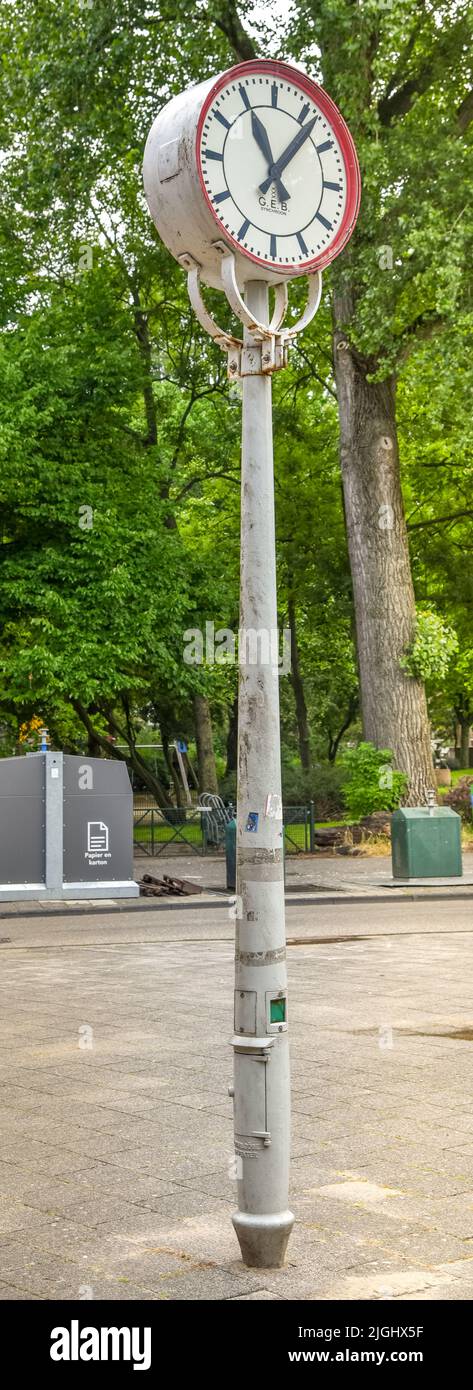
(273, 170)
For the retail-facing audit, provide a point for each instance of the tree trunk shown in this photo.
(465, 742)
(93, 746)
(232, 739)
(298, 688)
(335, 740)
(394, 708)
(205, 748)
(132, 757)
(173, 768)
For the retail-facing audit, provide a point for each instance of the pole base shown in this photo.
(263, 1239)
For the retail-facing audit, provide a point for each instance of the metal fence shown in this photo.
(183, 831)
(298, 828)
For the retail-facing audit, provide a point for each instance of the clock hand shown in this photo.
(288, 154)
(261, 137)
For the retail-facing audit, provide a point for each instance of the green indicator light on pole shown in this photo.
(277, 1012)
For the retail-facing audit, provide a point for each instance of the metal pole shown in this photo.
(261, 1047)
(53, 771)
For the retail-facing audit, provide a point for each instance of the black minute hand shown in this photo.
(288, 154)
(262, 139)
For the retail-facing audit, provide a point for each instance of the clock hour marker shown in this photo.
(222, 119)
(219, 197)
(327, 145)
(212, 154)
(274, 95)
(335, 186)
(303, 114)
(244, 96)
(243, 229)
(324, 221)
(273, 248)
(302, 244)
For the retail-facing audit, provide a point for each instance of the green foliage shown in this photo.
(112, 397)
(431, 651)
(323, 785)
(400, 74)
(372, 784)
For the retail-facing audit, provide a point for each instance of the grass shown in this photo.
(296, 839)
(160, 833)
(157, 833)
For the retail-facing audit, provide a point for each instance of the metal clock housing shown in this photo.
(259, 160)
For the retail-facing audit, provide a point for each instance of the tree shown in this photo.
(402, 83)
(314, 578)
(436, 431)
(398, 78)
(205, 749)
(83, 521)
(80, 87)
(96, 272)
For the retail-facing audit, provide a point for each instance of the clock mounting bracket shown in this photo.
(265, 348)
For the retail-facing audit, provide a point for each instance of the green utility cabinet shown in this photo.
(426, 842)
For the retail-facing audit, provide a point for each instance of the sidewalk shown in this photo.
(312, 874)
(309, 879)
(116, 1129)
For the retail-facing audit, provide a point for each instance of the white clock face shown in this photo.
(273, 168)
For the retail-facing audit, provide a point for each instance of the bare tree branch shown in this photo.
(398, 102)
(313, 372)
(226, 18)
(439, 520)
(422, 328)
(204, 478)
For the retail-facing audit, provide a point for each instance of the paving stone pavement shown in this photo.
(116, 1128)
(324, 873)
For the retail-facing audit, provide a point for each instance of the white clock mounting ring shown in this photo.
(253, 175)
(268, 350)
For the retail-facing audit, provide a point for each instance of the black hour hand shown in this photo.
(262, 140)
(276, 169)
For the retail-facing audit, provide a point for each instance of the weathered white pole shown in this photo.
(261, 1047)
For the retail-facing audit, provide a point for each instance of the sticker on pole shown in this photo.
(273, 807)
(252, 821)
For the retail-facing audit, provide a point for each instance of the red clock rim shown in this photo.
(347, 146)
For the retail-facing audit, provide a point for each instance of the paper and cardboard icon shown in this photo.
(97, 836)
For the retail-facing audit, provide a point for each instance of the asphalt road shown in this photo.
(318, 920)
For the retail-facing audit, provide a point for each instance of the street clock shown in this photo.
(252, 180)
(259, 161)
